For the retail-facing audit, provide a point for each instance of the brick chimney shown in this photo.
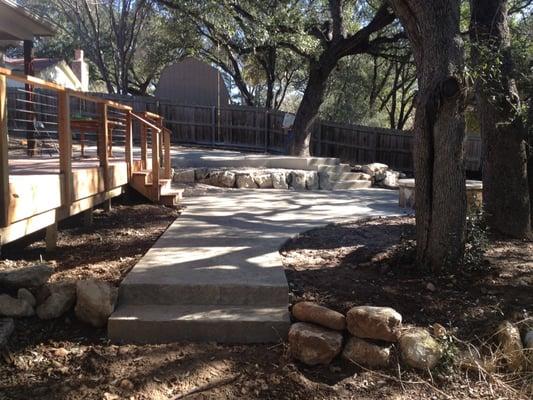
(81, 69)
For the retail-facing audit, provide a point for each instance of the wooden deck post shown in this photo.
(51, 238)
(144, 147)
(65, 146)
(155, 164)
(103, 154)
(167, 162)
(4, 148)
(129, 144)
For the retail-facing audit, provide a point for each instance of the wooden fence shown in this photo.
(258, 129)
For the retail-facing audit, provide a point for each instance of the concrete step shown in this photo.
(335, 169)
(346, 176)
(216, 293)
(198, 323)
(355, 184)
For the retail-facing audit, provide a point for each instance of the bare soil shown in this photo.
(339, 265)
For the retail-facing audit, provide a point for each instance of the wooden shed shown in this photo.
(192, 82)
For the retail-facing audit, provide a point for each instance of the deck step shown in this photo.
(142, 182)
(198, 323)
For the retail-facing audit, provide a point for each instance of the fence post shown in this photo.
(266, 131)
(65, 145)
(4, 147)
(104, 138)
(213, 124)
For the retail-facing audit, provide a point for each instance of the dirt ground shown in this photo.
(338, 265)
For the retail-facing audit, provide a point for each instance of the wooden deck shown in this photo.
(38, 191)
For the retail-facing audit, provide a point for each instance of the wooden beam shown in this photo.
(103, 143)
(65, 146)
(4, 148)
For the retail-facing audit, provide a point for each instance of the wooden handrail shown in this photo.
(138, 117)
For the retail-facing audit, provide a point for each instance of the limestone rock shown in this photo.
(11, 307)
(313, 344)
(183, 176)
(298, 179)
(307, 311)
(511, 345)
(32, 276)
(7, 326)
(380, 323)
(58, 303)
(389, 179)
(264, 180)
(311, 180)
(367, 354)
(419, 349)
(279, 180)
(361, 176)
(25, 294)
(374, 169)
(221, 179)
(201, 173)
(325, 181)
(95, 301)
(245, 181)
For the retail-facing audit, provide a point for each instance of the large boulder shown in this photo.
(307, 311)
(380, 323)
(183, 176)
(61, 299)
(419, 349)
(312, 181)
(264, 180)
(12, 307)
(313, 344)
(95, 301)
(298, 180)
(245, 181)
(511, 346)
(374, 169)
(279, 180)
(389, 179)
(7, 326)
(365, 353)
(32, 276)
(26, 295)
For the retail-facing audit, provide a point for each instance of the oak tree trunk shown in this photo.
(309, 106)
(433, 31)
(503, 131)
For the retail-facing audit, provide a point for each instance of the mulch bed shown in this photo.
(339, 265)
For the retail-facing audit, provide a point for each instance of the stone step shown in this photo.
(347, 176)
(335, 169)
(355, 184)
(198, 323)
(216, 293)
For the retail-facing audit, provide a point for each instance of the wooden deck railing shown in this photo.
(104, 124)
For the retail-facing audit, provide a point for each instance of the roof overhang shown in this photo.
(17, 23)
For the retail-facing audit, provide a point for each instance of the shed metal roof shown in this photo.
(18, 23)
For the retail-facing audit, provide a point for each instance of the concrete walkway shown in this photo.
(216, 273)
